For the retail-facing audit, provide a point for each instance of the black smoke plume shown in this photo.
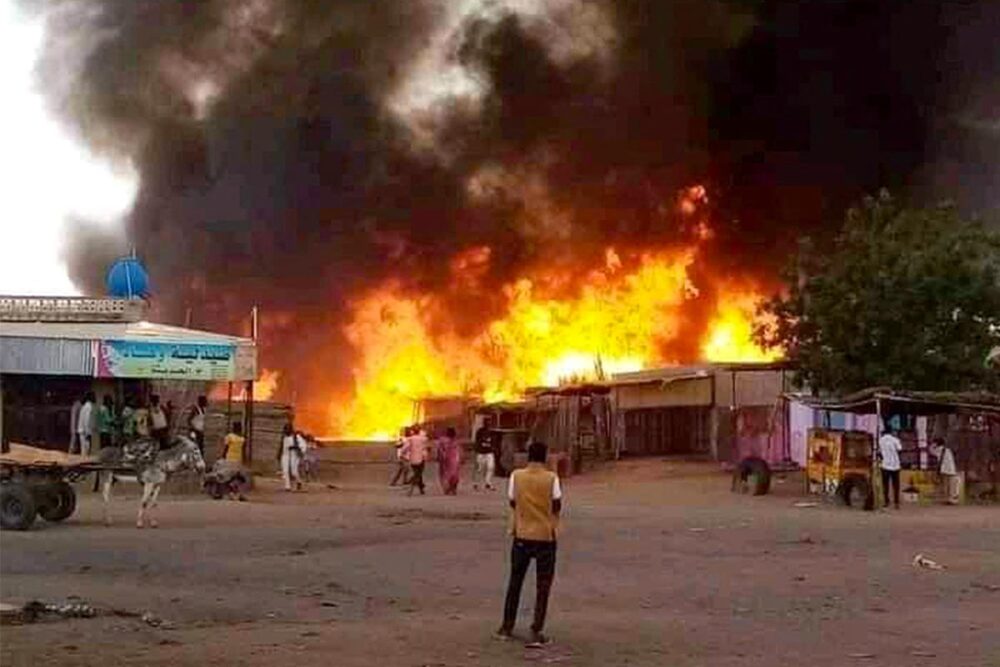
(277, 167)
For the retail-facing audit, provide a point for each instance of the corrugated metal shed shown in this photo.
(46, 356)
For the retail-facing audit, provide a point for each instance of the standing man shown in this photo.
(536, 500)
(196, 422)
(889, 447)
(159, 426)
(74, 421)
(85, 423)
(947, 470)
(416, 451)
(128, 426)
(485, 461)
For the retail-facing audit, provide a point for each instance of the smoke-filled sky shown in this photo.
(293, 152)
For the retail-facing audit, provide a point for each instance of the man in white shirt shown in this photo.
(947, 470)
(85, 423)
(889, 447)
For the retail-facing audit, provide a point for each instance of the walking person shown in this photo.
(416, 451)
(106, 422)
(159, 426)
(889, 448)
(290, 455)
(485, 459)
(402, 474)
(85, 421)
(196, 422)
(950, 481)
(449, 453)
(535, 497)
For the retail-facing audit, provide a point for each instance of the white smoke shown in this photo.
(49, 179)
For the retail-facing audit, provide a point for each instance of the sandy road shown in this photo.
(659, 564)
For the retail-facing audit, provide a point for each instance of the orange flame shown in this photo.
(263, 389)
(730, 333)
(622, 318)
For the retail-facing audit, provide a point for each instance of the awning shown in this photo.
(904, 402)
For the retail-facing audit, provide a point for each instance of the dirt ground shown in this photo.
(659, 564)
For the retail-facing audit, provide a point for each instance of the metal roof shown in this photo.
(124, 350)
(133, 331)
(695, 371)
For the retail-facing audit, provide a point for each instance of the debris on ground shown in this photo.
(697, 530)
(36, 609)
(861, 656)
(923, 654)
(993, 588)
(803, 504)
(921, 560)
(151, 619)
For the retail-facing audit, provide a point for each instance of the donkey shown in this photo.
(152, 471)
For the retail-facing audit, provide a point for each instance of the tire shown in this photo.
(752, 476)
(58, 502)
(855, 491)
(17, 506)
(215, 490)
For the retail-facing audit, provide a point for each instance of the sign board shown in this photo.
(167, 361)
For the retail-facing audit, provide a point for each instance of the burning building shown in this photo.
(478, 196)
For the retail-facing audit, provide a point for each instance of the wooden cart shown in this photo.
(36, 482)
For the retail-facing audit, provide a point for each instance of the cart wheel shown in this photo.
(59, 502)
(855, 491)
(17, 506)
(752, 476)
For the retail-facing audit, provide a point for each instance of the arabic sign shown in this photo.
(180, 361)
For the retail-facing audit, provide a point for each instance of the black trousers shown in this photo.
(893, 477)
(199, 439)
(417, 477)
(521, 554)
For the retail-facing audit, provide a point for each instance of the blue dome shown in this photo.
(127, 279)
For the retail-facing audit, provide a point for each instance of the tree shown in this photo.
(905, 298)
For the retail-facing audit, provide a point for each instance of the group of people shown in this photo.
(414, 449)
(106, 424)
(890, 446)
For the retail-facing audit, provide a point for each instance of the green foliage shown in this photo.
(906, 298)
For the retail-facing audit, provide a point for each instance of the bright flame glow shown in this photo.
(48, 177)
(730, 335)
(623, 317)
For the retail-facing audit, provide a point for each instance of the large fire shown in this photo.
(556, 327)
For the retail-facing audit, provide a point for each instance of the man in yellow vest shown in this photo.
(536, 499)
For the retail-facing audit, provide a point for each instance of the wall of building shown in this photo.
(687, 392)
(749, 388)
(49, 356)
